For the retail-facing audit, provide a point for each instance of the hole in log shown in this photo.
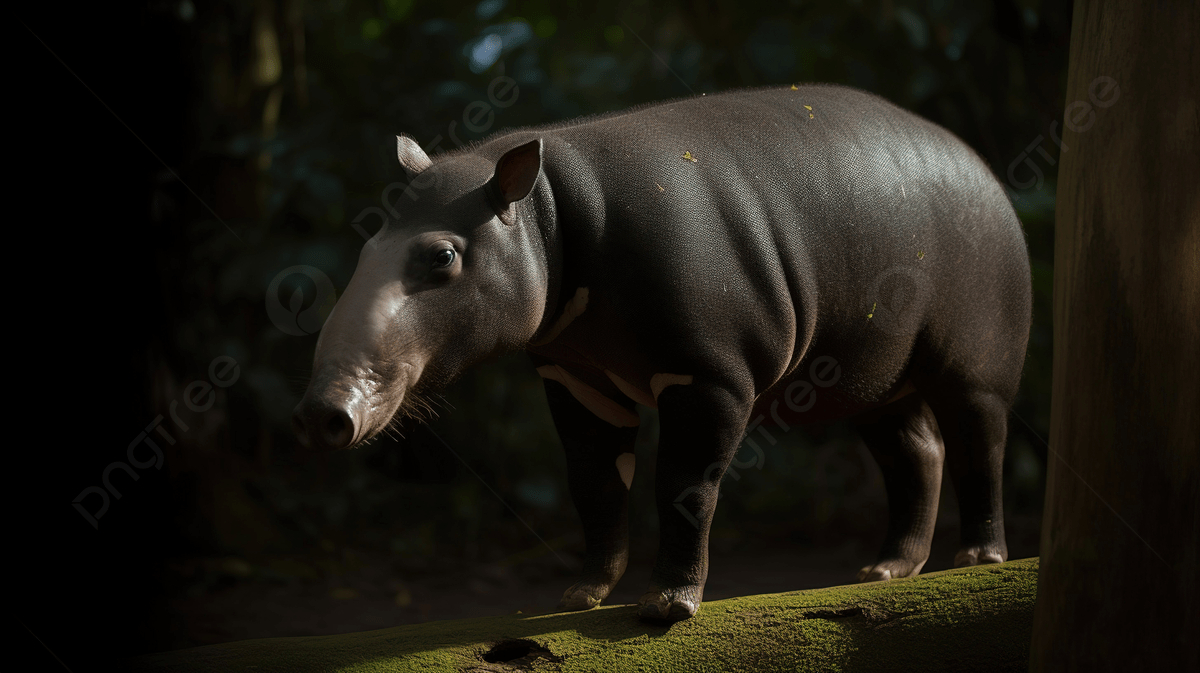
(517, 651)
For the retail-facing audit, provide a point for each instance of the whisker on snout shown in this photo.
(440, 401)
(416, 407)
(394, 428)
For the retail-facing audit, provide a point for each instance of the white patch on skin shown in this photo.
(660, 381)
(625, 463)
(636, 394)
(571, 311)
(905, 390)
(604, 408)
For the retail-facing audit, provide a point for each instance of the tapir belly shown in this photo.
(592, 351)
(610, 380)
(802, 401)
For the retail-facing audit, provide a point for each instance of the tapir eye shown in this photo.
(443, 257)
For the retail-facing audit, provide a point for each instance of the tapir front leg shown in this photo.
(599, 468)
(701, 427)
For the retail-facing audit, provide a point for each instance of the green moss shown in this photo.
(976, 619)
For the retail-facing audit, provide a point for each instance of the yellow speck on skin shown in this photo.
(688, 155)
(660, 187)
(808, 107)
(920, 254)
(872, 313)
(810, 115)
(795, 88)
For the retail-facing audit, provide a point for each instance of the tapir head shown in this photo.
(461, 275)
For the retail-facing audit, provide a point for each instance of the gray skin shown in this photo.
(753, 261)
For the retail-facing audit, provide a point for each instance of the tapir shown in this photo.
(744, 263)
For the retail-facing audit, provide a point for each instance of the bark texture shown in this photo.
(1118, 584)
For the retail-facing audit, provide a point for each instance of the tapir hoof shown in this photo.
(584, 595)
(669, 606)
(890, 569)
(979, 555)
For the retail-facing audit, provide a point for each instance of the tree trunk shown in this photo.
(969, 619)
(1118, 584)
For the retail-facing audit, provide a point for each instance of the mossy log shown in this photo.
(969, 619)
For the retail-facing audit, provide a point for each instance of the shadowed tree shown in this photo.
(1118, 585)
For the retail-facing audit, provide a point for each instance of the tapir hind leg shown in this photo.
(904, 439)
(974, 426)
(596, 455)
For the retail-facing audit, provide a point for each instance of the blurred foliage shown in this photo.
(295, 105)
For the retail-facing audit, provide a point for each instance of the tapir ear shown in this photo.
(517, 170)
(411, 156)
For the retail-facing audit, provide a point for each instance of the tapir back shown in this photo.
(758, 230)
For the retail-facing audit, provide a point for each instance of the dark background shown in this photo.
(136, 287)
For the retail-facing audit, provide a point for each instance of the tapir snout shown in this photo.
(327, 422)
(341, 411)
(355, 391)
(363, 365)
